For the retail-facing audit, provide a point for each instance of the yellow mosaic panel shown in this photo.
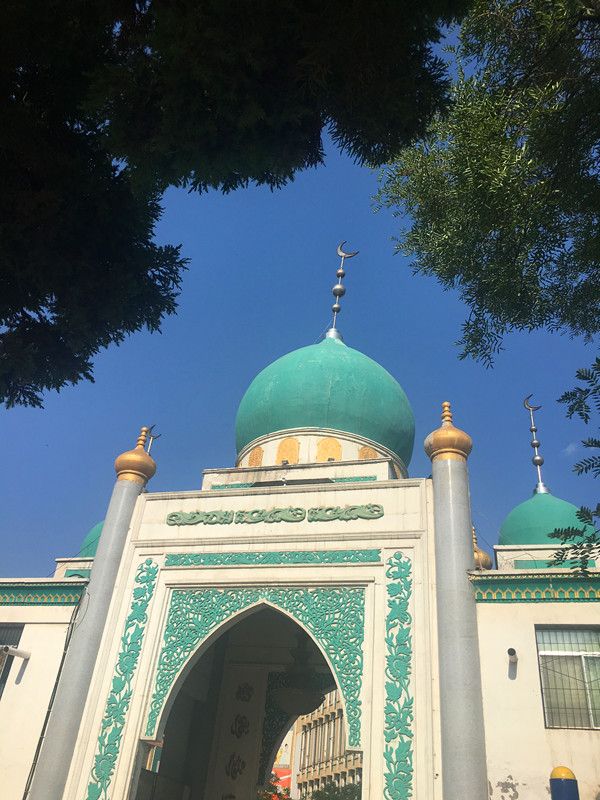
(329, 448)
(288, 450)
(255, 458)
(367, 452)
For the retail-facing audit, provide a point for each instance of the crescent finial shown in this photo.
(537, 460)
(152, 437)
(529, 407)
(341, 253)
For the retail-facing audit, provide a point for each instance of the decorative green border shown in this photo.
(275, 557)
(335, 616)
(276, 515)
(41, 594)
(353, 479)
(397, 751)
(117, 704)
(276, 721)
(221, 486)
(550, 587)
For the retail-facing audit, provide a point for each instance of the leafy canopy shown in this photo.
(352, 791)
(582, 543)
(503, 190)
(105, 103)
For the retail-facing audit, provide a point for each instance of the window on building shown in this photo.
(303, 747)
(330, 737)
(11, 635)
(569, 661)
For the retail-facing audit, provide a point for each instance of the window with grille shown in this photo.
(9, 634)
(569, 660)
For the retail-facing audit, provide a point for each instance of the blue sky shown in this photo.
(262, 265)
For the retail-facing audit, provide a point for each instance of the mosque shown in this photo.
(170, 658)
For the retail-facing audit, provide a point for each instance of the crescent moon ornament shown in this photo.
(529, 407)
(152, 438)
(537, 460)
(341, 253)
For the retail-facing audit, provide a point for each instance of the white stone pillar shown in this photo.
(464, 770)
(134, 469)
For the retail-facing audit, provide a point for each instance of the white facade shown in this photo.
(234, 608)
(521, 750)
(344, 584)
(40, 611)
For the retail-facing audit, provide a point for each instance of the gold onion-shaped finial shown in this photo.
(136, 465)
(448, 442)
(483, 560)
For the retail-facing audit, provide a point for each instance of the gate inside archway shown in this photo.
(234, 706)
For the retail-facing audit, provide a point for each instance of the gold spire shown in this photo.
(136, 465)
(448, 442)
(483, 560)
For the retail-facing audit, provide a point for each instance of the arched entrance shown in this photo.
(228, 712)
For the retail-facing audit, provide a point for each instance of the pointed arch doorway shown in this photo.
(231, 706)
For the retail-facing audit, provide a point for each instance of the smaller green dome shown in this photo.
(90, 543)
(531, 522)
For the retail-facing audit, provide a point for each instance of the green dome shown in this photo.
(532, 521)
(328, 385)
(90, 543)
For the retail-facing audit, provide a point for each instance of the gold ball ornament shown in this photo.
(136, 465)
(483, 560)
(448, 442)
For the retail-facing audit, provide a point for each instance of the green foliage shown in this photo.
(79, 268)
(103, 105)
(503, 190)
(331, 791)
(582, 544)
(271, 790)
(236, 92)
(579, 401)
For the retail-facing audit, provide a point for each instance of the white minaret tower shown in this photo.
(464, 772)
(134, 469)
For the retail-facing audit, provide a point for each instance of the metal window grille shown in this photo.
(569, 661)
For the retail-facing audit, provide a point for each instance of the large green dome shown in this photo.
(532, 521)
(328, 385)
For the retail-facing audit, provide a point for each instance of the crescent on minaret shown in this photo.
(341, 253)
(529, 407)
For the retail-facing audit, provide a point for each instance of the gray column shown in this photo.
(464, 773)
(63, 727)
(464, 768)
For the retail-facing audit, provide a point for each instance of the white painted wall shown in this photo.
(27, 692)
(406, 525)
(521, 752)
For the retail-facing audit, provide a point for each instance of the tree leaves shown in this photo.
(104, 105)
(582, 544)
(504, 190)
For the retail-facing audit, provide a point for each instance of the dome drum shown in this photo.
(315, 445)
